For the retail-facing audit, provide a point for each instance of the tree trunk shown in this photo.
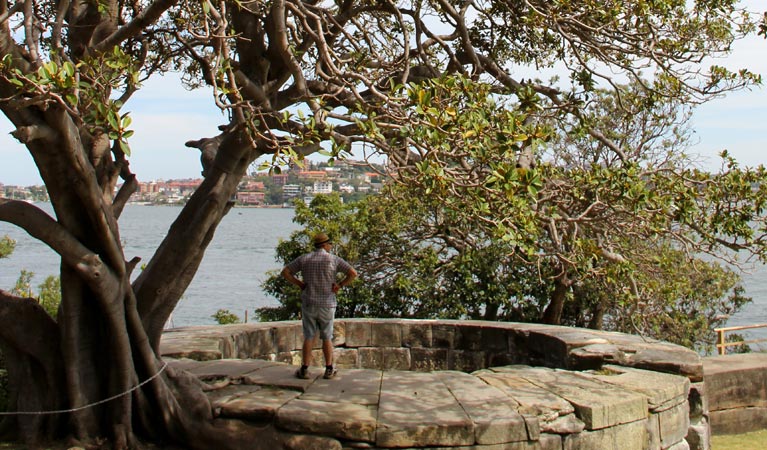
(97, 358)
(553, 313)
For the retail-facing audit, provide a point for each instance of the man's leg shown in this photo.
(306, 351)
(327, 351)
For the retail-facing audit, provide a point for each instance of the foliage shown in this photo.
(225, 317)
(6, 246)
(413, 265)
(49, 294)
(737, 349)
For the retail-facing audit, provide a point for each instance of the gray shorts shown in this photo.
(317, 319)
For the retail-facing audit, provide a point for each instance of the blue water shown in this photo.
(239, 256)
(229, 277)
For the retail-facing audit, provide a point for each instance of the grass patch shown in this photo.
(748, 441)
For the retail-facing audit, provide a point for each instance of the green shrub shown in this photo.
(225, 317)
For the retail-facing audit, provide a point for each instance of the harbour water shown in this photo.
(238, 259)
(230, 275)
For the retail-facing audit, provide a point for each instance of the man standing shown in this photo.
(318, 298)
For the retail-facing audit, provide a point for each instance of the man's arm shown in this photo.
(350, 276)
(288, 275)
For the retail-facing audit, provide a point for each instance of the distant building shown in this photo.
(312, 174)
(251, 198)
(291, 191)
(280, 179)
(323, 187)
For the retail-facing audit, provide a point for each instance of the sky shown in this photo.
(165, 116)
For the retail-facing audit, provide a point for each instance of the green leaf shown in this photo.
(124, 147)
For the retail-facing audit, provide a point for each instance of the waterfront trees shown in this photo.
(447, 92)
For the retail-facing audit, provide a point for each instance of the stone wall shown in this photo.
(737, 392)
(571, 388)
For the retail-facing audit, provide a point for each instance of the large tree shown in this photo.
(294, 77)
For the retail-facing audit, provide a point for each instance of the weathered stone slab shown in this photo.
(597, 404)
(683, 445)
(546, 442)
(308, 442)
(734, 381)
(550, 346)
(199, 348)
(669, 358)
(661, 389)
(339, 420)
(567, 424)
(222, 395)
(628, 436)
(698, 400)
(699, 435)
(227, 368)
(258, 405)
(494, 414)
(674, 424)
(360, 386)
(738, 420)
(417, 409)
(532, 399)
(281, 376)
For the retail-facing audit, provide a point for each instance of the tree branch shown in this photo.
(136, 26)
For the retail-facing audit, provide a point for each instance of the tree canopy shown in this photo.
(446, 91)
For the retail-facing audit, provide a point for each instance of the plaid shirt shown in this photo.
(318, 270)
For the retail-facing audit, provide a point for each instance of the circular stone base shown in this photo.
(458, 384)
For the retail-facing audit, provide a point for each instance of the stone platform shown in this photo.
(457, 384)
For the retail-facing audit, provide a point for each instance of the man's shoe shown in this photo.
(330, 373)
(302, 373)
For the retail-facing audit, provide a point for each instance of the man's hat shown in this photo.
(320, 238)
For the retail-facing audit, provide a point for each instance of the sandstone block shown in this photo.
(386, 334)
(417, 410)
(304, 442)
(468, 337)
(346, 357)
(370, 358)
(674, 424)
(738, 420)
(358, 333)
(466, 360)
(358, 386)
(442, 335)
(428, 359)
(259, 405)
(494, 414)
(734, 381)
(396, 358)
(285, 338)
(339, 420)
(699, 435)
(416, 334)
